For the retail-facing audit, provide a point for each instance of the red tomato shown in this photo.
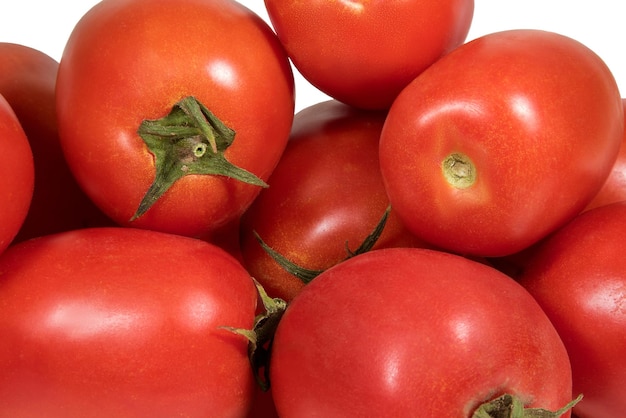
(578, 276)
(17, 174)
(475, 147)
(127, 63)
(414, 332)
(123, 322)
(365, 52)
(614, 188)
(27, 81)
(325, 193)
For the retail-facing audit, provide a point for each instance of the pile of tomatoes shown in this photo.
(441, 238)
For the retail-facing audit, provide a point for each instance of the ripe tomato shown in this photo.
(475, 147)
(365, 52)
(27, 81)
(123, 322)
(414, 332)
(326, 192)
(17, 174)
(614, 188)
(128, 64)
(578, 276)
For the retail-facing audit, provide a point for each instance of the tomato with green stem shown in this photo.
(172, 114)
(326, 198)
(417, 332)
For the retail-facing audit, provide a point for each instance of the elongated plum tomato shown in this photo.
(578, 276)
(17, 174)
(326, 193)
(156, 98)
(404, 332)
(364, 53)
(123, 322)
(501, 141)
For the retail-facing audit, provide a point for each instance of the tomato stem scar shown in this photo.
(459, 171)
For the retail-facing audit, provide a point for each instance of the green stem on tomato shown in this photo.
(509, 406)
(261, 336)
(189, 140)
(306, 275)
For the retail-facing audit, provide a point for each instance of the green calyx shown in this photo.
(509, 406)
(306, 275)
(261, 336)
(189, 140)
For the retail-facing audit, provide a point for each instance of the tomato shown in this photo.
(414, 332)
(128, 65)
(614, 188)
(123, 322)
(27, 81)
(475, 147)
(326, 193)
(578, 276)
(17, 174)
(365, 52)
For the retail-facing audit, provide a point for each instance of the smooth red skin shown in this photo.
(578, 276)
(365, 52)
(614, 188)
(27, 81)
(17, 174)
(476, 101)
(326, 191)
(123, 322)
(130, 60)
(414, 332)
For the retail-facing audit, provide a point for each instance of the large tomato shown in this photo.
(210, 86)
(27, 81)
(123, 322)
(578, 276)
(17, 174)
(364, 52)
(414, 332)
(501, 141)
(326, 193)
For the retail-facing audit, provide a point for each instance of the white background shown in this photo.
(599, 24)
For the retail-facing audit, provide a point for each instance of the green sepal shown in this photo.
(305, 274)
(261, 336)
(189, 140)
(509, 406)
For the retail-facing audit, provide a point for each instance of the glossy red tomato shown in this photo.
(414, 332)
(27, 81)
(325, 193)
(129, 64)
(364, 52)
(17, 174)
(578, 276)
(502, 141)
(123, 322)
(614, 188)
